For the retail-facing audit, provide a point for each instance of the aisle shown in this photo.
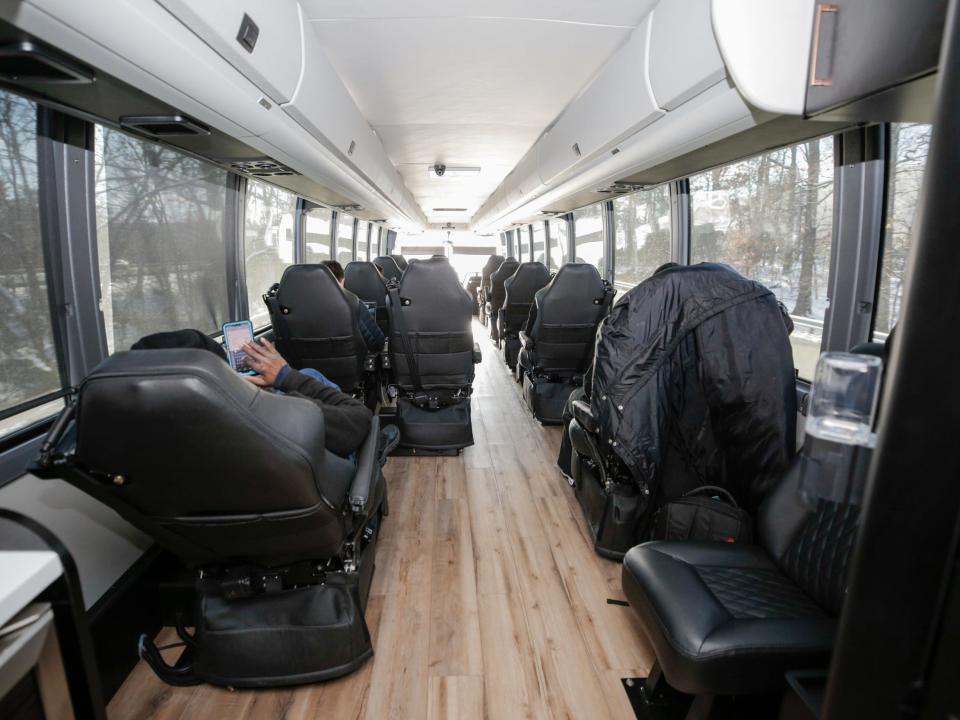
(488, 600)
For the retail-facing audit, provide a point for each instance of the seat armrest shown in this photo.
(477, 355)
(367, 468)
(583, 415)
(526, 341)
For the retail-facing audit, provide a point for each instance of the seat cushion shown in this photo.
(723, 618)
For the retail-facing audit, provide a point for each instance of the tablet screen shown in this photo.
(235, 336)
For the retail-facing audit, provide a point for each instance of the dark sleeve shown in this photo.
(372, 335)
(347, 420)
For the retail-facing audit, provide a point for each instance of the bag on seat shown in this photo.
(705, 513)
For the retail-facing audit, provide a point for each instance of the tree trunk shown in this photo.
(808, 241)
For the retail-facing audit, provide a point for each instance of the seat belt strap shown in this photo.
(414, 368)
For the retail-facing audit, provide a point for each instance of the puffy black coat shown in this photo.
(694, 384)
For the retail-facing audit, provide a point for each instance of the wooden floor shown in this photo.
(488, 600)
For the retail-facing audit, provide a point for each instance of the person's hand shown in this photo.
(264, 358)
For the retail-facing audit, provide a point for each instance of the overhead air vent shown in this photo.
(28, 62)
(163, 126)
(620, 187)
(449, 210)
(261, 167)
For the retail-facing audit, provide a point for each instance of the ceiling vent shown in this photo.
(261, 167)
(163, 126)
(27, 62)
(449, 210)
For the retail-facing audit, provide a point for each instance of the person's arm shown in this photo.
(346, 419)
(369, 330)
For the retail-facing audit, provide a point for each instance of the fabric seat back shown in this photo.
(316, 325)
(212, 466)
(388, 267)
(519, 290)
(401, 262)
(569, 308)
(498, 293)
(437, 315)
(489, 268)
(364, 280)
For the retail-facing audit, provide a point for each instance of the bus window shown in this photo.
(363, 229)
(558, 242)
(160, 239)
(909, 144)
(268, 241)
(316, 235)
(523, 244)
(642, 235)
(770, 218)
(588, 235)
(539, 243)
(344, 238)
(28, 360)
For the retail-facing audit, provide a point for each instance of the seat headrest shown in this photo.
(435, 292)
(401, 261)
(573, 291)
(365, 281)
(507, 268)
(388, 266)
(529, 277)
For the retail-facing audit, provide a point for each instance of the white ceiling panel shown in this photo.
(466, 83)
(625, 13)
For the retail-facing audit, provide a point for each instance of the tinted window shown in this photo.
(28, 360)
(558, 242)
(588, 235)
(268, 242)
(909, 144)
(770, 218)
(539, 243)
(160, 239)
(641, 234)
(344, 238)
(316, 235)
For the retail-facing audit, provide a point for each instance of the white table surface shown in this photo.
(23, 576)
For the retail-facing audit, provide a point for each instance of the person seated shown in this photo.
(346, 419)
(369, 330)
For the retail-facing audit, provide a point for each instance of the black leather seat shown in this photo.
(489, 267)
(557, 348)
(519, 290)
(235, 481)
(401, 261)
(316, 325)
(498, 294)
(388, 267)
(730, 619)
(433, 356)
(473, 289)
(365, 281)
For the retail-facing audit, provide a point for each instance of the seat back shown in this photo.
(436, 312)
(498, 292)
(519, 290)
(569, 308)
(489, 268)
(364, 280)
(213, 467)
(316, 326)
(388, 266)
(401, 262)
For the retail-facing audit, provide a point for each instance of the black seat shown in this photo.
(316, 325)
(730, 619)
(498, 294)
(489, 267)
(401, 262)
(365, 281)
(472, 286)
(557, 348)
(235, 481)
(433, 356)
(388, 266)
(519, 290)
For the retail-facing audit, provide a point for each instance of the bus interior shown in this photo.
(479, 359)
